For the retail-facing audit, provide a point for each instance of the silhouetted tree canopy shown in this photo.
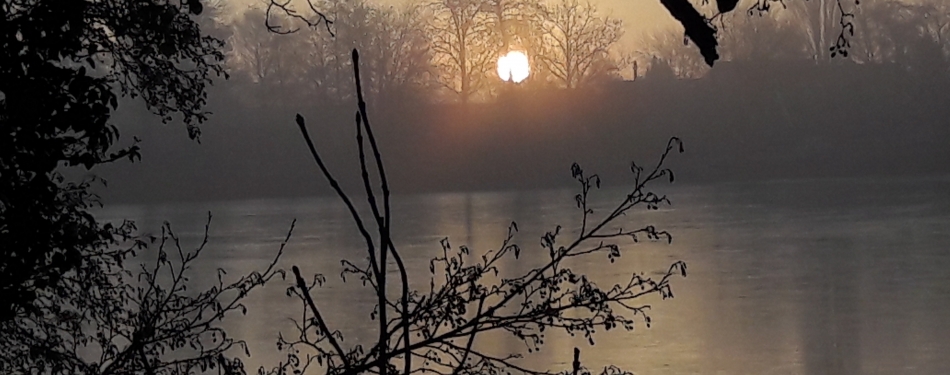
(68, 302)
(63, 66)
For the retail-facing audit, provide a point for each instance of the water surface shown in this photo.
(845, 276)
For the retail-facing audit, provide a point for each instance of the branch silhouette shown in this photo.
(697, 28)
(434, 331)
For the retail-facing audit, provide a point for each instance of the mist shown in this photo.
(771, 110)
(529, 189)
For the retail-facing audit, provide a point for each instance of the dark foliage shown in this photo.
(63, 66)
(103, 319)
(68, 302)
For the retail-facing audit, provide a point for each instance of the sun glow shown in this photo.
(513, 67)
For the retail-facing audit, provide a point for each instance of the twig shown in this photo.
(316, 313)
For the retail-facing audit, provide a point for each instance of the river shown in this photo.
(825, 276)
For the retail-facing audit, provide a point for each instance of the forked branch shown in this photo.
(466, 299)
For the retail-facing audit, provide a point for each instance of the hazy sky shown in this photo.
(639, 16)
(764, 117)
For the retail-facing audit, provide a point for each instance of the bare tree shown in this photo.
(518, 24)
(818, 23)
(823, 21)
(251, 50)
(755, 38)
(913, 35)
(316, 64)
(464, 44)
(578, 42)
(434, 330)
(401, 57)
(665, 49)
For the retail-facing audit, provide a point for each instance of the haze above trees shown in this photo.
(776, 94)
(446, 50)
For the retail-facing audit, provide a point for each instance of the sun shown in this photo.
(514, 67)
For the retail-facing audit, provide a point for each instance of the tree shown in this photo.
(433, 331)
(463, 43)
(399, 54)
(665, 50)
(816, 19)
(518, 24)
(103, 319)
(912, 35)
(59, 64)
(68, 303)
(755, 38)
(315, 65)
(578, 42)
(273, 63)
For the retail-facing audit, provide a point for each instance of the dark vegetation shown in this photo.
(70, 302)
(62, 63)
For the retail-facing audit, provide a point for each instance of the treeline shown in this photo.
(913, 35)
(446, 50)
(739, 122)
(776, 107)
(443, 50)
